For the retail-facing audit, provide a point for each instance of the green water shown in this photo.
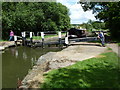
(17, 61)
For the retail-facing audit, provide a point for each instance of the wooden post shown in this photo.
(15, 40)
(59, 34)
(42, 36)
(24, 39)
(66, 39)
(31, 37)
(37, 33)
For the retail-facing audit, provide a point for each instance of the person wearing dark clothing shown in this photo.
(101, 37)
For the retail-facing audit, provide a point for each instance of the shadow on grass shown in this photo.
(92, 77)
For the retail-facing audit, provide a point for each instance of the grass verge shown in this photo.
(46, 36)
(39, 37)
(2, 40)
(118, 44)
(97, 41)
(99, 72)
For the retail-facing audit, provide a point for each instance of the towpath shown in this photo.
(115, 48)
(77, 52)
(54, 60)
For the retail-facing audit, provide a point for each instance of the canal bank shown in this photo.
(54, 60)
(7, 44)
(18, 61)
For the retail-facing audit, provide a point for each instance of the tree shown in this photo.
(108, 12)
(98, 25)
(33, 16)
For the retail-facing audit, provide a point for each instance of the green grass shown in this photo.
(99, 72)
(46, 36)
(118, 44)
(109, 48)
(97, 41)
(39, 37)
(2, 40)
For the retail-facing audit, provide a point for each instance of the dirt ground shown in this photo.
(68, 56)
(77, 52)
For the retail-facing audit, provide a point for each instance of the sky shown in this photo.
(77, 15)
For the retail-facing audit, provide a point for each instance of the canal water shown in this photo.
(17, 61)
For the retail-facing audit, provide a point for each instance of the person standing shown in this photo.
(11, 35)
(101, 37)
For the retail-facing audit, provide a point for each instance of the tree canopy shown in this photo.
(92, 25)
(34, 16)
(109, 12)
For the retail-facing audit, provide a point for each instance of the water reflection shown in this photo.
(16, 53)
(12, 51)
(17, 61)
(24, 56)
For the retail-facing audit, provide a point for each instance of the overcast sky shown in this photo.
(77, 14)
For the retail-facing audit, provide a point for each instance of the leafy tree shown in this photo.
(98, 25)
(90, 25)
(33, 16)
(109, 12)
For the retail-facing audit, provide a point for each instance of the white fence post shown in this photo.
(23, 36)
(31, 35)
(15, 38)
(59, 35)
(42, 36)
(66, 39)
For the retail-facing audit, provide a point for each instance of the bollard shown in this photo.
(42, 36)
